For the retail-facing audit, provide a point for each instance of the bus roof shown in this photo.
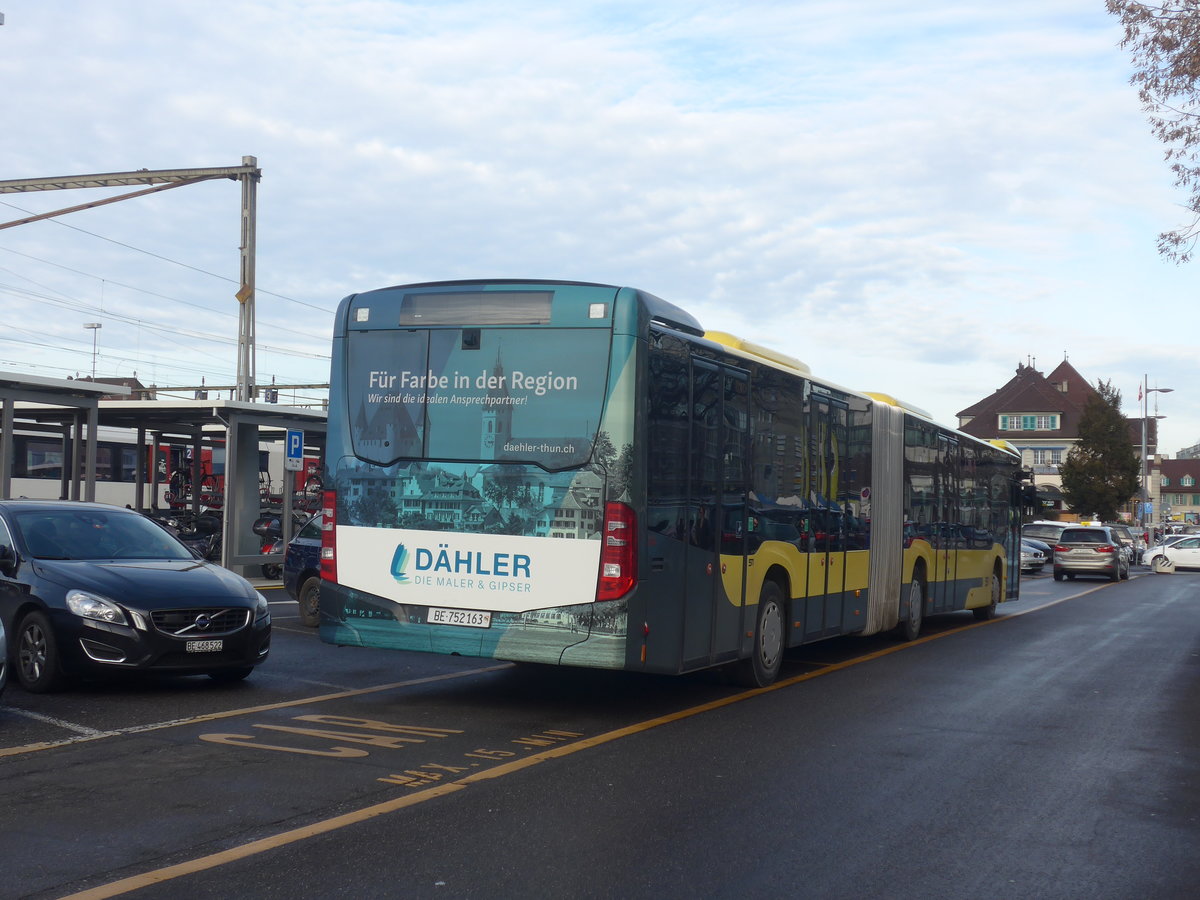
(659, 310)
(764, 354)
(889, 400)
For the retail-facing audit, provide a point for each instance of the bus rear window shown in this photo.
(477, 308)
(493, 394)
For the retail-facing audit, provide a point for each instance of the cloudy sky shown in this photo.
(912, 198)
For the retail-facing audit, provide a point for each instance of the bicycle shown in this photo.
(179, 489)
(314, 490)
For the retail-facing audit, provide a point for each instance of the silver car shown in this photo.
(1032, 559)
(1089, 550)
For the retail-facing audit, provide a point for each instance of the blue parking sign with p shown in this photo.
(294, 458)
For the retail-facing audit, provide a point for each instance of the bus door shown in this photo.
(947, 534)
(827, 436)
(718, 468)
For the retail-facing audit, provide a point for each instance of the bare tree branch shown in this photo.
(1164, 41)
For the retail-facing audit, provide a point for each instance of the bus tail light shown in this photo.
(618, 555)
(329, 536)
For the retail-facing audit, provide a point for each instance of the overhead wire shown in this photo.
(166, 332)
(169, 260)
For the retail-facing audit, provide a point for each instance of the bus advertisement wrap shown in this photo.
(580, 474)
(505, 573)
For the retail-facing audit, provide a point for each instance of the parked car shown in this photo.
(302, 571)
(1089, 550)
(1046, 548)
(1184, 552)
(1032, 558)
(87, 588)
(1168, 540)
(1043, 531)
(1133, 546)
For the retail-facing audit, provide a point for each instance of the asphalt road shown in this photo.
(1049, 753)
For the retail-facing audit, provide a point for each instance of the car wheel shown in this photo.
(272, 572)
(1059, 576)
(762, 668)
(230, 675)
(38, 664)
(310, 603)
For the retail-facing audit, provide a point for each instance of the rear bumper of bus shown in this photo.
(589, 634)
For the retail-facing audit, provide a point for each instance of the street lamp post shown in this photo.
(93, 327)
(1145, 398)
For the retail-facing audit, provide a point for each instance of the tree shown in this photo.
(376, 507)
(1100, 474)
(1165, 43)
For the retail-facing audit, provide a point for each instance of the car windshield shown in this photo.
(95, 534)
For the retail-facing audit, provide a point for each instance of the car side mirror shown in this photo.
(8, 560)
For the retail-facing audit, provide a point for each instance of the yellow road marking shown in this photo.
(231, 713)
(253, 848)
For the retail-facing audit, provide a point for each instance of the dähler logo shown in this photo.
(399, 564)
(471, 562)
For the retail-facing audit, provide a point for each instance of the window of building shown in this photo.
(1187, 481)
(1046, 456)
(1028, 423)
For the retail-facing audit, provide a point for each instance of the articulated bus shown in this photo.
(580, 474)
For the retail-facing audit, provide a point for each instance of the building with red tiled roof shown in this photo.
(1177, 483)
(1039, 415)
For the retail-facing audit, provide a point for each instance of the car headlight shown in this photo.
(92, 606)
(261, 609)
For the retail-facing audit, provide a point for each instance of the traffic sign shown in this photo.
(293, 460)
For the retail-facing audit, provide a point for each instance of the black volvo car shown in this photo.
(87, 588)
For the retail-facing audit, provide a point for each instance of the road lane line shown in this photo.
(231, 713)
(60, 723)
(253, 848)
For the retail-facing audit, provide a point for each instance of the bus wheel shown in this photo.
(765, 661)
(983, 613)
(910, 628)
(310, 603)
